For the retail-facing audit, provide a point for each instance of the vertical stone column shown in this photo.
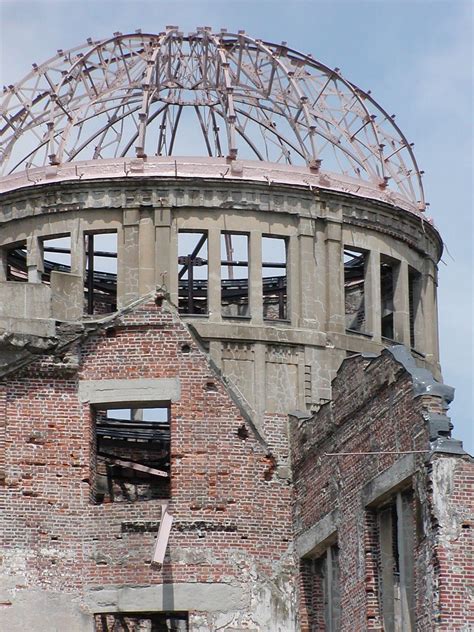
(3, 264)
(146, 253)
(335, 273)
(173, 263)
(34, 259)
(418, 324)
(310, 313)
(214, 274)
(373, 299)
(293, 281)
(127, 258)
(430, 312)
(255, 277)
(260, 380)
(78, 262)
(162, 248)
(401, 305)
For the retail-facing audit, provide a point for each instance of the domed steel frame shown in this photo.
(134, 94)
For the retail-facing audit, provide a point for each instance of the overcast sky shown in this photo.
(414, 55)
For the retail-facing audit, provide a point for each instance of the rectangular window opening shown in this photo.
(56, 256)
(396, 527)
(355, 265)
(234, 275)
(132, 454)
(327, 568)
(17, 269)
(387, 274)
(100, 282)
(414, 301)
(142, 622)
(274, 276)
(193, 272)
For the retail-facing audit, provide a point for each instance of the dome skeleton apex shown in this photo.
(207, 94)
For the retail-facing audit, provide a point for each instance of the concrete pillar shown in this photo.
(78, 262)
(259, 355)
(127, 258)
(146, 254)
(405, 527)
(34, 259)
(293, 281)
(255, 277)
(372, 295)
(430, 315)
(309, 272)
(418, 324)
(3, 264)
(162, 247)
(401, 305)
(214, 274)
(173, 264)
(334, 278)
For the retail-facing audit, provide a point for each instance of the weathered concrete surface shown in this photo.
(185, 596)
(67, 296)
(42, 611)
(135, 390)
(389, 481)
(24, 300)
(316, 538)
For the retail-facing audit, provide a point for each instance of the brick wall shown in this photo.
(228, 505)
(374, 410)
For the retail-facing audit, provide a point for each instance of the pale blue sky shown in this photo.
(415, 56)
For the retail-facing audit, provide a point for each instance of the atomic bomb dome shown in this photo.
(221, 404)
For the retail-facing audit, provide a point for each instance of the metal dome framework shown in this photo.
(148, 94)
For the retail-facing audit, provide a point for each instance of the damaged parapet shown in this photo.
(424, 384)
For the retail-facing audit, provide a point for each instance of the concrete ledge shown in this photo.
(25, 300)
(313, 541)
(385, 484)
(201, 597)
(130, 391)
(40, 327)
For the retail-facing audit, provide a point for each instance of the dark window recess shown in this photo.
(132, 454)
(16, 263)
(414, 296)
(56, 256)
(396, 578)
(386, 296)
(327, 568)
(192, 273)
(354, 289)
(274, 272)
(100, 282)
(142, 622)
(234, 275)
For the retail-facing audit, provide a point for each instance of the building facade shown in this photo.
(221, 405)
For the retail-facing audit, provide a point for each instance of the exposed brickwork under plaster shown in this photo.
(232, 513)
(374, 410)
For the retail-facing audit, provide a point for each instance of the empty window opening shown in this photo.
(414, 302)
(192, 272)
(132, 454)
(396, 550)
(56, 256)
(100, 281)
(386, 297)
(327, 572)
(274, 273)
(355, 264)
(234, 275)
(17, 269)
(142, 622)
